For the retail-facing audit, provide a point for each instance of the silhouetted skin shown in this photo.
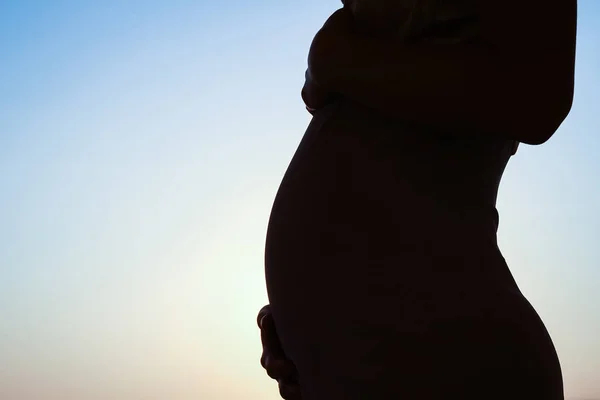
(273, 359)
(383, 270)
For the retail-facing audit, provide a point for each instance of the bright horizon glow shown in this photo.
(141, 146)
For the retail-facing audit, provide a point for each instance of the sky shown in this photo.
(141, 146)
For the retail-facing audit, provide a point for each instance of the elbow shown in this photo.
(542, 124)
(542, 129)
(547, 103)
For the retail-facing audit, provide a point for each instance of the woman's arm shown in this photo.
(314, 96)
(518, 85)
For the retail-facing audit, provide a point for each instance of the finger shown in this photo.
(269, 338)
(266, 310)
(273, 358)
(289, 391)
(279, 369)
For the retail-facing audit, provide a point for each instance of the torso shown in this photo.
(370, 208)
(382, 258)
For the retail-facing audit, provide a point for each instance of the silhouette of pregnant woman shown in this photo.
(384, 276)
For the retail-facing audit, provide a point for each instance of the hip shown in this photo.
(505, 350)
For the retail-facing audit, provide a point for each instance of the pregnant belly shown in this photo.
(355, 233)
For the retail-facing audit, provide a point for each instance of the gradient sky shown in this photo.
(141, 146)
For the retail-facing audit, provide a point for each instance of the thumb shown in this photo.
(266, 310)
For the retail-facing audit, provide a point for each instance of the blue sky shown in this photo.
(141, 146)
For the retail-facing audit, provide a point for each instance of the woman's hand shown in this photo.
(273, 359)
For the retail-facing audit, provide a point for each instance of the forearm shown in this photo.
(465, 89)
